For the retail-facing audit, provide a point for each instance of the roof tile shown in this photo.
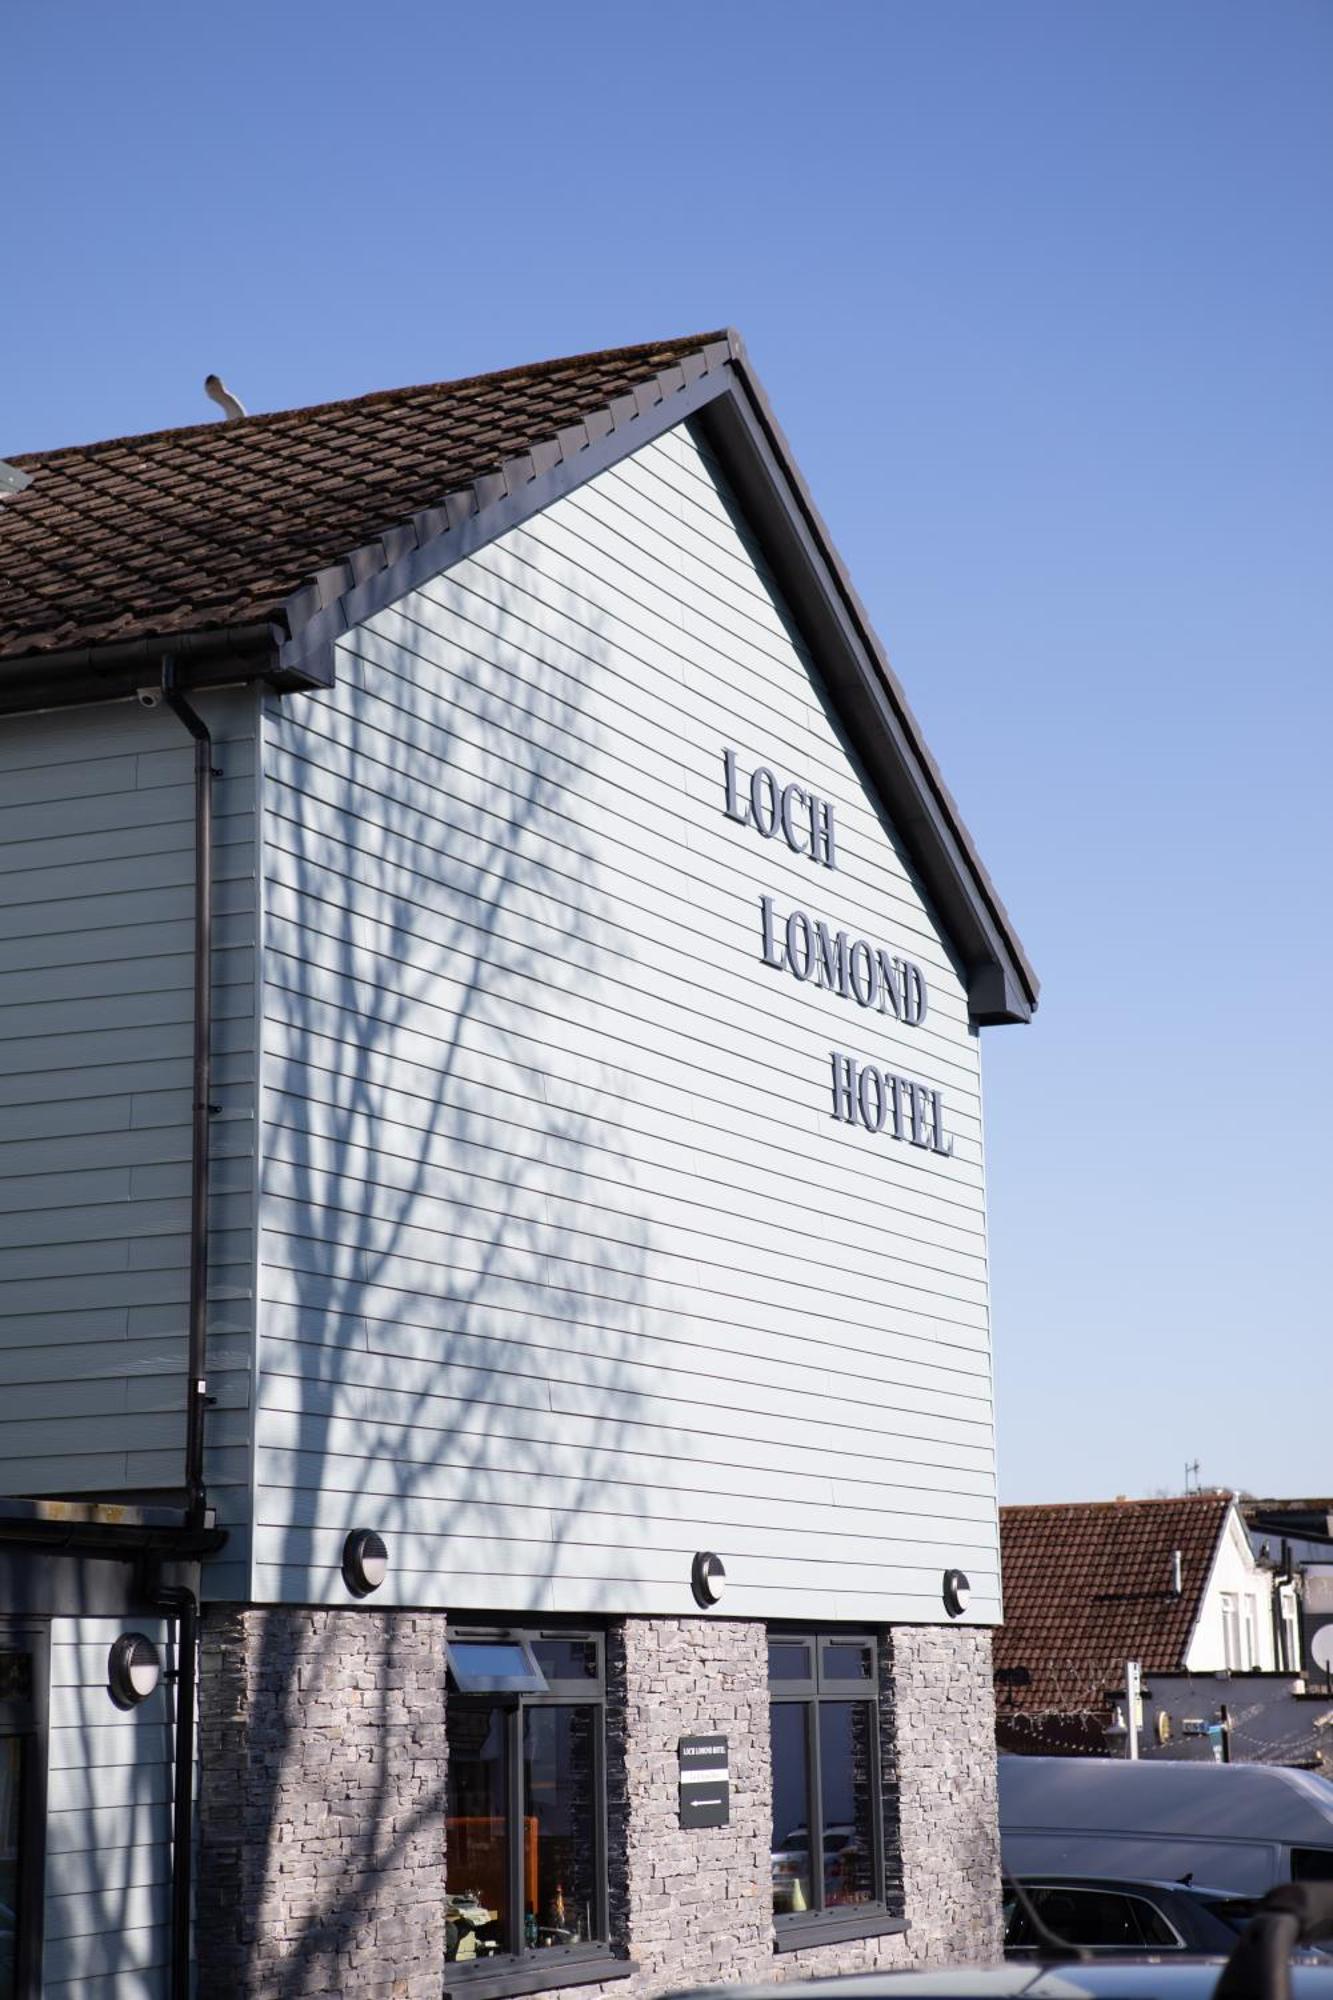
(1087, 1586)
(220, 523)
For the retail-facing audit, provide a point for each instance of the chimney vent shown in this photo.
(218, 392)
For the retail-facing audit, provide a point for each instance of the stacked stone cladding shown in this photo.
(695, 1906)
(321, 1804)
(944, 1722)
(697, 1900)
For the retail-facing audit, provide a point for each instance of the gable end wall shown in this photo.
(567, 1271)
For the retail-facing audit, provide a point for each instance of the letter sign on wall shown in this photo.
(815, 952)
(705, 1781)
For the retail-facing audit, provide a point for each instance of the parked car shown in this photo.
(1104, 1914)
(1261, 1965)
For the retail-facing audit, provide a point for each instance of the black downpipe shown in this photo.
(196, 1388)
(175, 1600)
(182, 1605)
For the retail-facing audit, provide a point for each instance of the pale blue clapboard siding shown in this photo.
(96, 1013)
(566, 1269)
(108, 1859)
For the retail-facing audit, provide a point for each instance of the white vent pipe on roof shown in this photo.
(218, 392)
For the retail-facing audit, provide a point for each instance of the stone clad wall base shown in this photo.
(697, 1901)
(695, 1907)
(321, 1804)
(949, 1814)
(881, 1954)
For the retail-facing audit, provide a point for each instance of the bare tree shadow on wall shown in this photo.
(455, 1257)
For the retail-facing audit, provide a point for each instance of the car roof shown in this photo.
(1145, 1979)
(1194, 1800)
(1049, 1878)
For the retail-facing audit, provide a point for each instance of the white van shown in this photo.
(1238, 1827)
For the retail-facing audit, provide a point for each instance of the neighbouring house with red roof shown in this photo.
(1175, 1584)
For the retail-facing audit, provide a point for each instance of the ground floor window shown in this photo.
(828, 1846)
(526, 1816)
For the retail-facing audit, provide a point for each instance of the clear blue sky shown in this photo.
(1041, 292)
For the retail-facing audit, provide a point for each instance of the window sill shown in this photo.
(540, 1972)
(801, 1933)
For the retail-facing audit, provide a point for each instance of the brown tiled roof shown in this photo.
(217, 524)
(1087, 1586)
(245, 548)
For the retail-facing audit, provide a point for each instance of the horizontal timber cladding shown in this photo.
(570, 1266)
(108, 1829)
(96, 1033)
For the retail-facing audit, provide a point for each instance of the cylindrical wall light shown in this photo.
(957, 1592)
(133, 1669)
(708, 1578)
(365, 1562)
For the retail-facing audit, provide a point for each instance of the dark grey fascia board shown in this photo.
(79, 1583)
(125, 1542)
(723, 397)
(468, 520)
(716, 386)
(995, 995)
(219, 657)
(87, 1511)
(720, 391)
(1001, 984)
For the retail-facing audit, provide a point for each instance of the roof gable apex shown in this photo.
(1229, 1524)
(233, 550)
(717, 388)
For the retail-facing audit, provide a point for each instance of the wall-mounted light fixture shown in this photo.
(708, 1578)
(365, 1561)
(957, 1592)
(133, 1669)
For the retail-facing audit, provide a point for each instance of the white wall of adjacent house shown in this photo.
(568, 1268)
(1234, 1629)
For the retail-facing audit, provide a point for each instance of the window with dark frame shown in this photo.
(828, 1835)
(526, 1875)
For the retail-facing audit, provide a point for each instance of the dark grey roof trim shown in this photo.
(377, 575)
(718, 387)
(1002, 985)
(219, 657)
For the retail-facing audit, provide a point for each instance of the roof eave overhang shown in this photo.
(1002, 985)
(221, 656)
(296, 649)
(717, 388)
